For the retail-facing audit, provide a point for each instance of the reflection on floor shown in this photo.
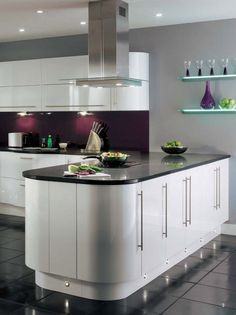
(202, 284)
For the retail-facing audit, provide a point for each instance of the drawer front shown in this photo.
(13, 164)
(13, 192)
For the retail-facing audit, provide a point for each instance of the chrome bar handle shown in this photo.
(186, 202)
(141, 198)
(190, 200)
(216, 189)
(219, 188)
(165, 233)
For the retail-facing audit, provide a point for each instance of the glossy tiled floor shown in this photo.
(203, 284)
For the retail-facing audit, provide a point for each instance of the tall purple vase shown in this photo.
(207, 101)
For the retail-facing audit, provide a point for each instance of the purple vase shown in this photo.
(207, 101)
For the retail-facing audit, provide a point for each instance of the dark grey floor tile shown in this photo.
(225, 237)
(184, 274)
(15, 244)
(206, 253)
(226, 267)
(19, 260)
(186, 307)
(30, 310)
(4, 240)
(13, 233)
(3, 227)
(212, 295)
(10, 272)
(6, 217)
(192, 262)
(23, 293)
(168, 286)
(63, 303)
(29, 279)
(6, 254)
(112, 308)
(220, 280)
(7, 308)
(222, 246)
(147, 301)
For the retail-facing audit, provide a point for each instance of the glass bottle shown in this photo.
(49, 141)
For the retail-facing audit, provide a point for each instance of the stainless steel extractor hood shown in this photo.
(108, 45)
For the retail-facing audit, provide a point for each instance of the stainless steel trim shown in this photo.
(26, 158)
(19, 107)
(141, 237)
(186, 202)
(190, 200)
(216, 188)
(165, 233)
(77, 106)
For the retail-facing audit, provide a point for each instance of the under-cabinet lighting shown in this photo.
(85, 85)
(24, 114)
(159, 14)
(118, 84)
(83, 23)
(84, 113)
(21, 30)
(39, 11)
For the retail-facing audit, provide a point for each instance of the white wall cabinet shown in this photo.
(44, 85)
(20, 73)
(20, 98)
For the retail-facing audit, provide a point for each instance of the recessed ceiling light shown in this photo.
(21, 30)
(40, 11)
(83, 23)
(159, 15)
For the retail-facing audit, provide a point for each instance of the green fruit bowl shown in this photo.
(174, 150)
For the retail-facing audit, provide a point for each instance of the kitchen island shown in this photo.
(105, 238)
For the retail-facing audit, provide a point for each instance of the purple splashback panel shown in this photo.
(128, 130)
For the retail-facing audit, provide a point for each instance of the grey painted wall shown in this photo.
(169, 47)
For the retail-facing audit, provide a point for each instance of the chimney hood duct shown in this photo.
(108, 45)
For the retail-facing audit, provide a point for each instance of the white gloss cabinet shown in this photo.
(20, 98)
(62, 236)
(20, 73)
(107, 241)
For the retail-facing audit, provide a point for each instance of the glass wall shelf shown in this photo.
(208, 78)
(207, 111)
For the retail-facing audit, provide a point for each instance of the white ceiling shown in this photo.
(62, 17)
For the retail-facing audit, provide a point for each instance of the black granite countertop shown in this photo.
(146, 166)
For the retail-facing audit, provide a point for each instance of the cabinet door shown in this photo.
(12, 191)
(73, 98)
(131, 98)
(13, 164)
(20, 98)
(47, 160)
(220, 196)
(62, 227)
(54, 70)
(154, 223)
(107, 233)
(23, 72)
(223, 188)
(37, 216)
(175, 229)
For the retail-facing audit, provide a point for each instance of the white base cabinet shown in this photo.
(12, 183)
(106, 241)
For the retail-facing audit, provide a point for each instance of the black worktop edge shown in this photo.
(90, 181)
